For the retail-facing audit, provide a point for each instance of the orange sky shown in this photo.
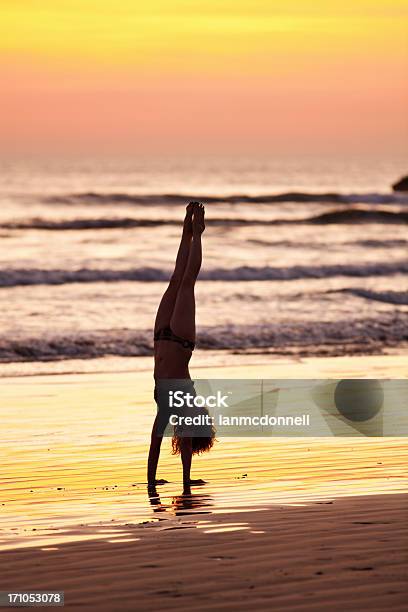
(204, 75)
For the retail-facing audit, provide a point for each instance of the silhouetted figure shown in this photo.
(174, 341)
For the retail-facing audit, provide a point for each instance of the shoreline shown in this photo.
(204, 361)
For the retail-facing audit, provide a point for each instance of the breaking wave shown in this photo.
(86, 224)
(93, 197)
(380, 244)
(358, 215)
(389, 297)
(29, 276)
(365, 336)
(345, 216)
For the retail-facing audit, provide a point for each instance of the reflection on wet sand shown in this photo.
(181, 505)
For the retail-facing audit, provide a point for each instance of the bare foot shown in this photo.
(198, 218)
(188, 220)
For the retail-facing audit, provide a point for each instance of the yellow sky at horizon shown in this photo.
(266, 50)
(52, 31)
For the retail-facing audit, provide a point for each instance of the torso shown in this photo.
(171, 360)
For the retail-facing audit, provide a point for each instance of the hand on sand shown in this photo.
(152, 485)
(198, 218)
(188, 220)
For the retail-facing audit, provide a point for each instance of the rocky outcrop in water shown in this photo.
(401, 185)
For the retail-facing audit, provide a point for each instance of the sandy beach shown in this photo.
(283, 523)
(346, 554)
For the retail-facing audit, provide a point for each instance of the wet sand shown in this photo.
(283, 523)
(348, 554)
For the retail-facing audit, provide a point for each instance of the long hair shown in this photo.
(201, 443)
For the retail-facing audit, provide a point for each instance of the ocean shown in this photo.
(302, 257)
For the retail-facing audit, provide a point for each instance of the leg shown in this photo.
(168, 300)
(182, 321)
(186, 456)
(154, 453)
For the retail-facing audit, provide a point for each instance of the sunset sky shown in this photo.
(204, 75)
